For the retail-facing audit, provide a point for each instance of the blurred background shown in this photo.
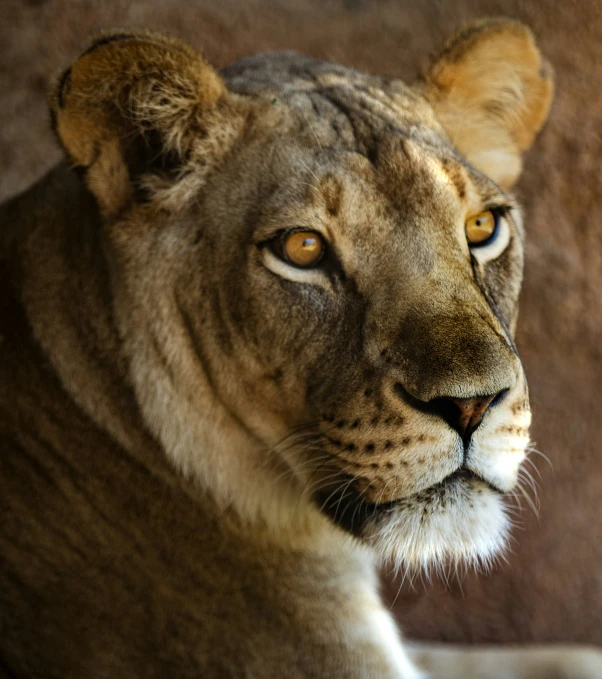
(551, 587)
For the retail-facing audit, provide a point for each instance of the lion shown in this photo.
(257, 339)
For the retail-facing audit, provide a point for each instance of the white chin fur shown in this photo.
(460, 523)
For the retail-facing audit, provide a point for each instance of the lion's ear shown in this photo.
(133, 111)
(491, 90)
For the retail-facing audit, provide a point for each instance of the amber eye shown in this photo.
(481, 228)
(303, 248)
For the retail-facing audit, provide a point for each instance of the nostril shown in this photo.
(469, 413)
(449, 410)
(402, 393)
(462, 414)
(499, 398)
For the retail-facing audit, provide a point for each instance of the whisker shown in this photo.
(533, 450)
(298, 430)
(525, 474)
(529, 500)
(343, 491)
(530, 462)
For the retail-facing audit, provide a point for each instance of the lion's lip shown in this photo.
(459, 475)
(463, 473)
(346, 507)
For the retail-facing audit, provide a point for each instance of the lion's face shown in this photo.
(371, 358)
(344, 285)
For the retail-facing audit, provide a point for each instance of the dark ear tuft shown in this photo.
(134, 104)
(107, 40)
(63, 87)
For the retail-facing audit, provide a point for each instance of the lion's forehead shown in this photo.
(377, 136)
(366, 162)
(282, 72)
(341, 106)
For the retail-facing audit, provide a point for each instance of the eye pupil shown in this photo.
(481, 228)
(303, 248)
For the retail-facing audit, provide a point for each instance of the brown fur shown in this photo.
(93, 185)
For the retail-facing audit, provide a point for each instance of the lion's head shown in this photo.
(316, 273)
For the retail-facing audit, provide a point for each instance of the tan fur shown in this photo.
(125, 87)
(220, 445)
(493, 91)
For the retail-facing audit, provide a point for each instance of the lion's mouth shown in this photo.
(467, 474)
(346, 507)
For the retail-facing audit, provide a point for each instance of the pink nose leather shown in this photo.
(471, 411)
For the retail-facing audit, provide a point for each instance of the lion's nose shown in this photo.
(465, 414)
(462, 414)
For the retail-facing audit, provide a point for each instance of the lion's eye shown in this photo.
(303, 248)
(481, 228)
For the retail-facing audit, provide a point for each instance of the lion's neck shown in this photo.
(66, 295)
(115, 371)
(115, 367)
(205, 441)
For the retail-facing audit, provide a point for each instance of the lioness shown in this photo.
(256, 340)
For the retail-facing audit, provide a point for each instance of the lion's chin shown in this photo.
(460, 522)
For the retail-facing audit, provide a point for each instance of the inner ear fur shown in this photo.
(133, 111)
(492, 90)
